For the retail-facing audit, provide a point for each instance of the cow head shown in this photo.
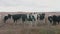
(9, 15)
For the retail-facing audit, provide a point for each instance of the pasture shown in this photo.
(42, 27)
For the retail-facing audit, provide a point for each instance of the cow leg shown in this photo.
(31, 23)
(23, 22)
(58, 22)
(35, 23)
(14, 21)
(54, 23)
(5, 20)
(37, 18)
(50, 21)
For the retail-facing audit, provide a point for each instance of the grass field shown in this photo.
(11, 28)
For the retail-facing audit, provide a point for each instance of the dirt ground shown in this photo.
(11, 28)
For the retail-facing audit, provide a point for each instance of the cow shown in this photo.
(31, 18)
(50, 19)
(15, 17)
(41, 16)
(35, 15)
(55, 19)
(24, 17)
(5, 18)
(58, 19)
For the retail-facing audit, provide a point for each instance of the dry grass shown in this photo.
(11, 28)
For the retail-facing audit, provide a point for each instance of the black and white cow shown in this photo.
(50, 18)
(24, 17)
(5, 19)
(41, 16)
(33, 18)
(55, 19)
(15, 17)
(58, 19)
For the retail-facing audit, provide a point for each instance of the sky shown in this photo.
(29, 5)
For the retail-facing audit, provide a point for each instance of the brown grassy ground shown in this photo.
(11, 28)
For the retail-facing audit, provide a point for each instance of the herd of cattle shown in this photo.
(54, 19)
